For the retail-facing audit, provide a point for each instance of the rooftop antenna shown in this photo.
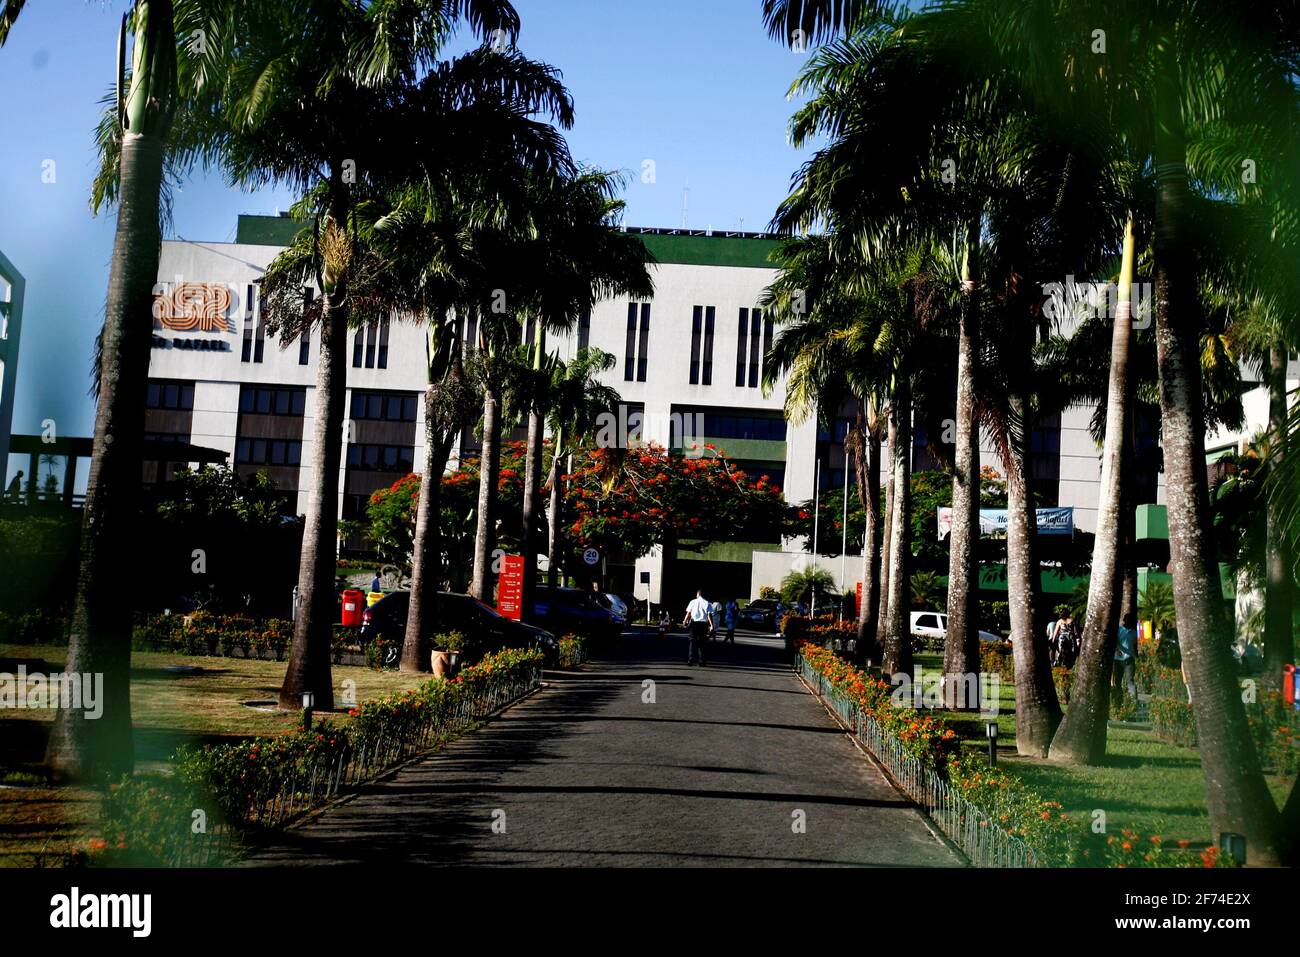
(686, 201)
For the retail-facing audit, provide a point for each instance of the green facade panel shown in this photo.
(1152, 521)
(679, 248)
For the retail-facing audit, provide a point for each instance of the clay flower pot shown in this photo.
(441, 664)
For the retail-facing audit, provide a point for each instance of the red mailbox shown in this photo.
(354, 603)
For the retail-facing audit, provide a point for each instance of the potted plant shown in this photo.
(447, 650)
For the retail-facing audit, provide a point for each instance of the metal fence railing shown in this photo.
(323, 781)
(277, 800)
(976, 832)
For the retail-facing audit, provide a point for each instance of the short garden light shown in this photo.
(1233, 846)
(991, 731)
(308, 702)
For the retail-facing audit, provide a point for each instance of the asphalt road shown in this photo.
(733, 764)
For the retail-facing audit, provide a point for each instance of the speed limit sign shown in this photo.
(591, 556)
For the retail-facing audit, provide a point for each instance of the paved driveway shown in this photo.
(733, 764)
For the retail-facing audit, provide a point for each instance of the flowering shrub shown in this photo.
(997, 660)
(149, 820)
(1132, 849)
(249, 781)
(1004, 798)
(1173, 721)
(1017, 809)
(926, 737)
(205, 634)
(573, 651)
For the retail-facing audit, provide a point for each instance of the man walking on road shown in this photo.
(699, 618)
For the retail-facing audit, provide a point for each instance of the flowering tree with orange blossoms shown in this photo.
(633, 499)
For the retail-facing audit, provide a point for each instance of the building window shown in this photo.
(706, 365)
(384, 406)
(246, 352)
(170, 395)
(259, 400)
(629, 360)
(259, 340)
(304, 340)
(755, 318)
(370, 346)
(268, 452)
(742, 335)
(643, 348)
(584, 331)
(767, 338)
(697, 334)
(471, 333)
(381, 458)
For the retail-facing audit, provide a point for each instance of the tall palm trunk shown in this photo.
(553, 517)
(426, 549)
(489, 465)
(886, 538)
(1038, 710)
(313, 631)
(898, 631)
(1279, 644)
(1236, 794)
(961, 652)
(1081, 738)
(869, 494)
(533, 483)
(1128, 595)
(100, 639)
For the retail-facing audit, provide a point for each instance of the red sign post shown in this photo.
(510, 587)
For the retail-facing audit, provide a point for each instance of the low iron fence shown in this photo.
(368, 757)
(973, 830)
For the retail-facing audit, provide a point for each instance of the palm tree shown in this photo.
(1081, 738)
(807, 585)
(332, 100)
(100, 637)
(578, 399)
(822, 363)
(575, 259)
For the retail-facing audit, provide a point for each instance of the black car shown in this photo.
(569, 609)
(763, 614)
(483, 625)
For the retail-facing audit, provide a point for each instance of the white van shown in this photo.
(933, 625)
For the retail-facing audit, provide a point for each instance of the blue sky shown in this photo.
(695, 86)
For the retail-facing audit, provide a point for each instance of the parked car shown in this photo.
(932, 626)
(567, 609)
(485, 626)
(763, 614)
(616, 605)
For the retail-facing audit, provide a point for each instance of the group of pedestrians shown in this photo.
(1064, 641)
(704, 621)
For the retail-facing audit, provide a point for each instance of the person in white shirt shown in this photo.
(699, 618)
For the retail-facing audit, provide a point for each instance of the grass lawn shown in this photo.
(1146, 784)
(168, 710)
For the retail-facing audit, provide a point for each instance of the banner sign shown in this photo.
(993, 521)
(510, 588)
